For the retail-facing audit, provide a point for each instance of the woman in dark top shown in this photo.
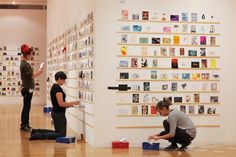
(27, 77)
(58, 111)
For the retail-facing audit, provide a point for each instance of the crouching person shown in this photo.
(58, 99)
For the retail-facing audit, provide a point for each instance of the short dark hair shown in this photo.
(60, 75)
(165, 103)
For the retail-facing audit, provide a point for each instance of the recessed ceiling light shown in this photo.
(13, 2)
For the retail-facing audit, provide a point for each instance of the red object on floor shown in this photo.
(118, 144)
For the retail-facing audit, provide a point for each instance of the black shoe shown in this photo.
(25, 128)
(185, 145)
(171, 147)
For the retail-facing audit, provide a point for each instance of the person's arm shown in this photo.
(62, 103)
(158, 137)
(38, 73)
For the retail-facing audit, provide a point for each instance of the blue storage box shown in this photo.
(149, 146)
(47, 109)
(65, 139)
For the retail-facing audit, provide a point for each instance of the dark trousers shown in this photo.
(59, 120)
(27, 97)
(181, 136)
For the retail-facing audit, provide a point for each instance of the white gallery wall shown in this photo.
(24, 26)
(63, 14)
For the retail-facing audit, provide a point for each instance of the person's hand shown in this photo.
(41, 65)
(153, 137)
(77, 102)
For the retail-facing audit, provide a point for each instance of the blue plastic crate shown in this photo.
(149, 146)
(65, 139)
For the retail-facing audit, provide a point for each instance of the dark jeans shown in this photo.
(181, 136)
(59, 120)
(27, 97)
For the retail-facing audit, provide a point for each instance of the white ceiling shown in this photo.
(24, 1)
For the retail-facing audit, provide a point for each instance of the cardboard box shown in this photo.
(118, 144)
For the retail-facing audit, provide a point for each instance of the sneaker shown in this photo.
(185, 145)
(25, 128)
(171, 147)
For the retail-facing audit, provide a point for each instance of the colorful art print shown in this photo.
(124, 38)
(176, 40)
(164, 86)
(203, 40)
(135, 87)
(145, 15)
(201, 109)
(176, 28)
(137, 28)
(196, 76)
(124, 14)
(164, 76)
(167, 29)
(194, 64)
(154, 63)
(156, 40)
(135, 98)
(172, 51)
(124, 75)
(184, 28)
(135, 76)
(123, 63)
(194, 40)
(174, 17)
(212, 29)
(144, 109)
(196, 97)
(123, 50)
(202, 51)
(214, 99)
(191, 110)
(204, 63)
(178, 99)
(212, 40)
(153, 110)
(143, 40)
(174, 63)
(146, 98)
(194, 17)
(134, 62)
(186, 76)
(181, 52)
(125, 28)
(163, 51)
(146, 86)
(135, 16)
(144, 62)
(175, 76)
(211, 110)
(144, 51)
(187, 98)
(215, 76)
(184, 16)
(213, 86)
(174, 86)
(155, 52)
(183, 108)
(205, 76)
(193, 28)
(166, 41)
(213, 63)
(134, 110)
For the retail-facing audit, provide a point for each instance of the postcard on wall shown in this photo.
(164, 87)
(174, 63)
(135, 98)
(185, 76)
(212, 40)
(212, 29)
(172, 51)
(153, 74)
(201, 109)
(124, 75)
(175, 76)
(125, 28)
(174, 17)
(154, 15)
(145, 15)
(213, 63)
(211, 110)
(153, 110)
(156, 40)
(146, 86)
(194, 64)
(166, 41)
(144, 63)
(123, 50)
(154, 63)
(134, 62)
(144, 110)
(176, 40)
(204, 63)
(181, 52)
(205, 76)
(135, 16)
(194, 40)
(143, 40)
(187, 98)
(196, 76)
(134, 110)
(174, 86)
(193, 29)
(191, 110)
(135, 87)
(214, 99)
(124, 38)
(202, 51)
(183, 108)
(166, 29)
(203, 40)
(123, 63)
(192, 52)
(164, 76)
(137, 28)
(184, 28)
(196, 97)
(124, 14)
(144, 51)
(184, 16)
(176, 28)
(178, 99)
(213, 86)
(146, 98)
(194, 17)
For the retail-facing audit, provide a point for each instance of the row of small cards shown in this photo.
(87, 96)
(188, 98)
(153, 15)
(175, 40)
(153, 74)
(184, 28)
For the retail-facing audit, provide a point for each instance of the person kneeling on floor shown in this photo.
(58, 111)
(179, 128)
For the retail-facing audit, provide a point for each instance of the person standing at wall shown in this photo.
(27, 87)
(59, 105)
(179, 128)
